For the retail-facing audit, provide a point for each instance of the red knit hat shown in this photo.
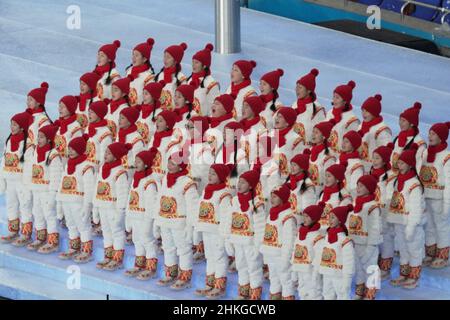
(147, 156)
(369, 181)
(227, 102)
(155, 89)
(314, 211)
(204, 56)
(246, 67)
(177, 51)
(409, 156)
(170, 117)
(79, 144)
(373, 105)
(256, 104)
(345, 91)
(91, 79)
(119, 149)
(23, 120)
(302, 160)
(252, 177)
(325, 128)
(100, 108)
(187, 91)
(145, 48)
(49, 131)
(309, 80)
(71, 103)
(131, 113)
(341, 213)
(123, 84)
(110, 49)
(338, 171)
(39, 94)
(222, 171)
(385, 153)
(441, 129)
(283, 192)
(412, 114)
(273, 78)
(354, 138)
(289, 114)
(203, 121)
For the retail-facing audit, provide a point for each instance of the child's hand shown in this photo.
(95, 215)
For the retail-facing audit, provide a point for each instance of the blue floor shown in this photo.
(36, 46)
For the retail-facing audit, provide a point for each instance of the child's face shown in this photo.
(213, 178)
(275, 200)
(109, 157)
(301, 91)
(367, 116)
(172, 167)
(403, 167)
(63, 111)
(139, 164)
(346, 145)
(295, 169)
(247, 112)
(169, 61)
(179, 100)
(217, 109)
(15, 129)
(102, 59)
(137, 58)
(93, 117)
(377, 161)
(42, 139)
(236, 75)
(31, 103)
(280, 122)
(433, 138)
(84, 88)
(116, 93)
(197, 66)
(147, 97)
(404, 124)
(333, 222)
(72, 153)
(243, 186)
(123, 122)
(330, 180)
(264, 87)
(307, 221)
(161, 124)
(338, 102)
(317, 136)
(361, 190)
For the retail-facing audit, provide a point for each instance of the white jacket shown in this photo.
(177, 205)
(336, 259)
(268, 116)
(419, 154)
(146, 127)
(304, 251)
(295, 144)
(103, 89)
(378, 135)
(333, 202)
(300, 200)
(45, 177)
(318, 168)
(137, 86)
(307, 120)
(96, 146)
(348, 123)
(211, 212)
(142, 200)
(11, 167)
(204, 96)
(112, 192)
(74, 130)
(40, 119)
(78, 186)
(250, 141)
(168, 92)
(239, 101)
(113, 119)
(135, 139)
(365, 226)
(354, 171)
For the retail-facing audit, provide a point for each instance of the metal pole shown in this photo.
(228, 26)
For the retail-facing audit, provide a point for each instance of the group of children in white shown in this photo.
(306, 198)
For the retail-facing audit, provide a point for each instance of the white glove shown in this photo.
(128, 225)
(95, 215)
(59, 210)
(409, 232)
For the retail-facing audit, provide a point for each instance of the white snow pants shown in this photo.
(248, 265)
(437, 228)
(177, 246)
(142, 235)
(309, 285)
(216, 256)
(280, 276)
(336, 287)
(44, 215)
(78, 225)
(412, 252)
(113, 228)
(365, 256)
(18, 201)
